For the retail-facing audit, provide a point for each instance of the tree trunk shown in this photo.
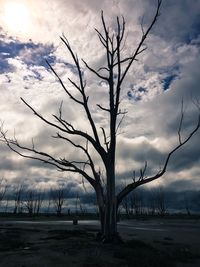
(110, 223)
(107, 208)
(110, 217)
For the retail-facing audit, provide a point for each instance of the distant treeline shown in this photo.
(62, 200)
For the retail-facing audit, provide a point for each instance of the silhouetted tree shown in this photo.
(18, 192)
(187, 203)
(3, 189)
(126, 206)
(151, 203)
(160, 200)
(82, 207)
(7, 199)
(136, 202)
(58, 197)
(33, 201)
(29, 202)
(113, 75)
(133, 204)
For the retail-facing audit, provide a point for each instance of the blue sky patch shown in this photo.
(4, 66)
(28, 52)
(130, 95)
(142, 90)
(167, 81)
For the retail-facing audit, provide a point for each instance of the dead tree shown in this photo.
(151, 203)
(38, 201)
(33, 202)
(187, 203)
(6, 204)
(3, 189)
(58, 197)
(113, 74)
(160, 201)
(82, 208)
(49, 202)
(133, 204)
(136, 202)
(18, 192)
(29, 202)
(126, 206)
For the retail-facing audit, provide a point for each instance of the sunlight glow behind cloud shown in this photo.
(16, 17)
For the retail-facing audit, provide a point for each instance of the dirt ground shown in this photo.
(150, 243)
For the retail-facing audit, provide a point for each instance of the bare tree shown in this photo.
(136, 202)
(58, 197)
(3, 189)
(133, 204)
(126, 206)
(113, 75)
(39, 197)
(49, 203)
(6, 204)
(18, 192)
(187, 203)
(160, 200)
(82, 208)
(29, 202)
(151, 203)
(33, 201)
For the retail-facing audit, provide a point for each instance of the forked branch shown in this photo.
(61, 164)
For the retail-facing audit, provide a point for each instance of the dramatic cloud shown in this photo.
(166, 73)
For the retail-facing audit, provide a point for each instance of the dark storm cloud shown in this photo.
(38, 164)
(182, 185)
(187, 157)
(141, 152)
(8, 163)
(124, 175)
(180, 20)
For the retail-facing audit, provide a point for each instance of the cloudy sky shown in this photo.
(166, 73)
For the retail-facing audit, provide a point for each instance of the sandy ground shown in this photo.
(147, 243)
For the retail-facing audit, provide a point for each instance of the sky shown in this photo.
(166, 73)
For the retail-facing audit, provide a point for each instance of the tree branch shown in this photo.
(105, 138)
(67, 130)
(104, 109)
(60, 164)
(63, 86)
(85, 150)
(144, 36)
(143, 180)
(94, 71)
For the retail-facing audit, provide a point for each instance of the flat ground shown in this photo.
(147, 243)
